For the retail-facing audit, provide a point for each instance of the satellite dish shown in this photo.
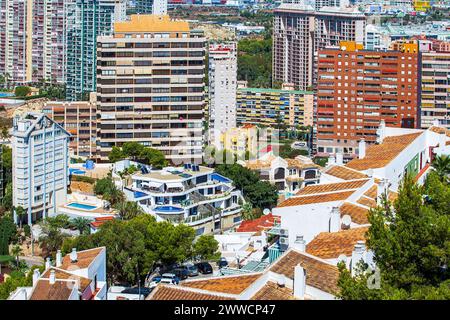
(266, 211)
(342, 258)
(344, 48)
(346, 220)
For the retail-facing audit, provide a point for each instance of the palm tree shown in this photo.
(81, 224)
(20, 212)
(51, 238)
(16, 251)
(128, 210)
(441, 165)
(247, 211)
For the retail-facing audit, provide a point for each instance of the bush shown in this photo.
(22, 91)
(83, 179)
(27, 230)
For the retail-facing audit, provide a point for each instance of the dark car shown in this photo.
(180, 272)
(222, 263)
(204, 267)
(136, 290)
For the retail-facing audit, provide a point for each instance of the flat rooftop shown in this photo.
(173, 174)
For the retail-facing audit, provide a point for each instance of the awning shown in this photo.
(152, 184)
(174, 185)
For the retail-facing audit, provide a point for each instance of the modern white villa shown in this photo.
(192, 194)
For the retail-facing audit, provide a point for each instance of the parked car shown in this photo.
(222, 263)
(192, 270)
(136, 290)
(166, 278)
(181, 272)
(204, 267)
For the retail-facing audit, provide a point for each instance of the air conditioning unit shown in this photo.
(284, 232)
(284, 241)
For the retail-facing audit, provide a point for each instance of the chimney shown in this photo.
(339, 158)
(281, 282)
(362, 149)
(58, 259)
(381, 132)
(331, 160)
(370, 173)
(381, 190)
(36, 275)
(300, 244)
(47, 263)
(335, 219)
(357, 255)
(52, 278)
(73, 255)
(299, 282)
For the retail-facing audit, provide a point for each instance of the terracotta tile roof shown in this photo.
(321, 198)
(357, 213)
(328, 245)
(272, 291)
(379, 155)
(319, 274)
(84, 258)
(168, 292)
(60, 290)
(440, 130)
(63, 275)
(296, 163)
(100, 221)
(372, 192)
(230, 285)
(331, 187)
(262, 223)
(368, 202)
(344, 173)
(260, 164)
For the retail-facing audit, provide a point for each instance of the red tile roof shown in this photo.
(262, 223)
(170, 292)
(229, 285)
(100, 221)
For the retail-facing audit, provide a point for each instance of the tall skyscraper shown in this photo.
(32, 40)
(222, 89)
(151, 87)
(300, 31)
(358, 88)
(39, 166)
(86, 20)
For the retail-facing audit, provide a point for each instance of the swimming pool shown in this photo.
(81, 206)
(76, 171)
(169, 209)
(6, 94)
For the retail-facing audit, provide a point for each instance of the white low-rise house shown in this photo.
(287, 174)
(191, 194)
(77, 276)
(347, 192)
(40, 149)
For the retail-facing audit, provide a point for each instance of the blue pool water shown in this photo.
(81, 206)
(220, 178)
(76, 171)
(6, 94)
(170, 209)
(138, 194)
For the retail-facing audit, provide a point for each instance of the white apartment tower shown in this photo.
(40, 165)
(159, 7)
(222, 90)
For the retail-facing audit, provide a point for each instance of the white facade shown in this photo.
(159, 7)
(222, 90)
(40, 165)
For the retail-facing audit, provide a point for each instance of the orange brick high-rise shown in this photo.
(358, 88)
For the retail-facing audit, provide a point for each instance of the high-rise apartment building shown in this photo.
(151, 87)
(79, 118)
(39, 165)
(32, 40)
(158, 7)
(300, 31)
(86, 20)
(222, 90)
(2, 188)
(358, 88)
(271, 107)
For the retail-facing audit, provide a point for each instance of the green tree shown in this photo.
(8, 234)
(22, 91)
(16, 251)
(116, 154)
(206, 248)
(108, 190)
(411, 244)
(441, 164)
(17, 279)
(153, 157)
(51, 238)
(81, 224)
(128, 210)
(132, 150)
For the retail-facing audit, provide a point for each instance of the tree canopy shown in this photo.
(261, 194)
(411, 244)
(135, 246)
(255, 62)
(137, 152)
